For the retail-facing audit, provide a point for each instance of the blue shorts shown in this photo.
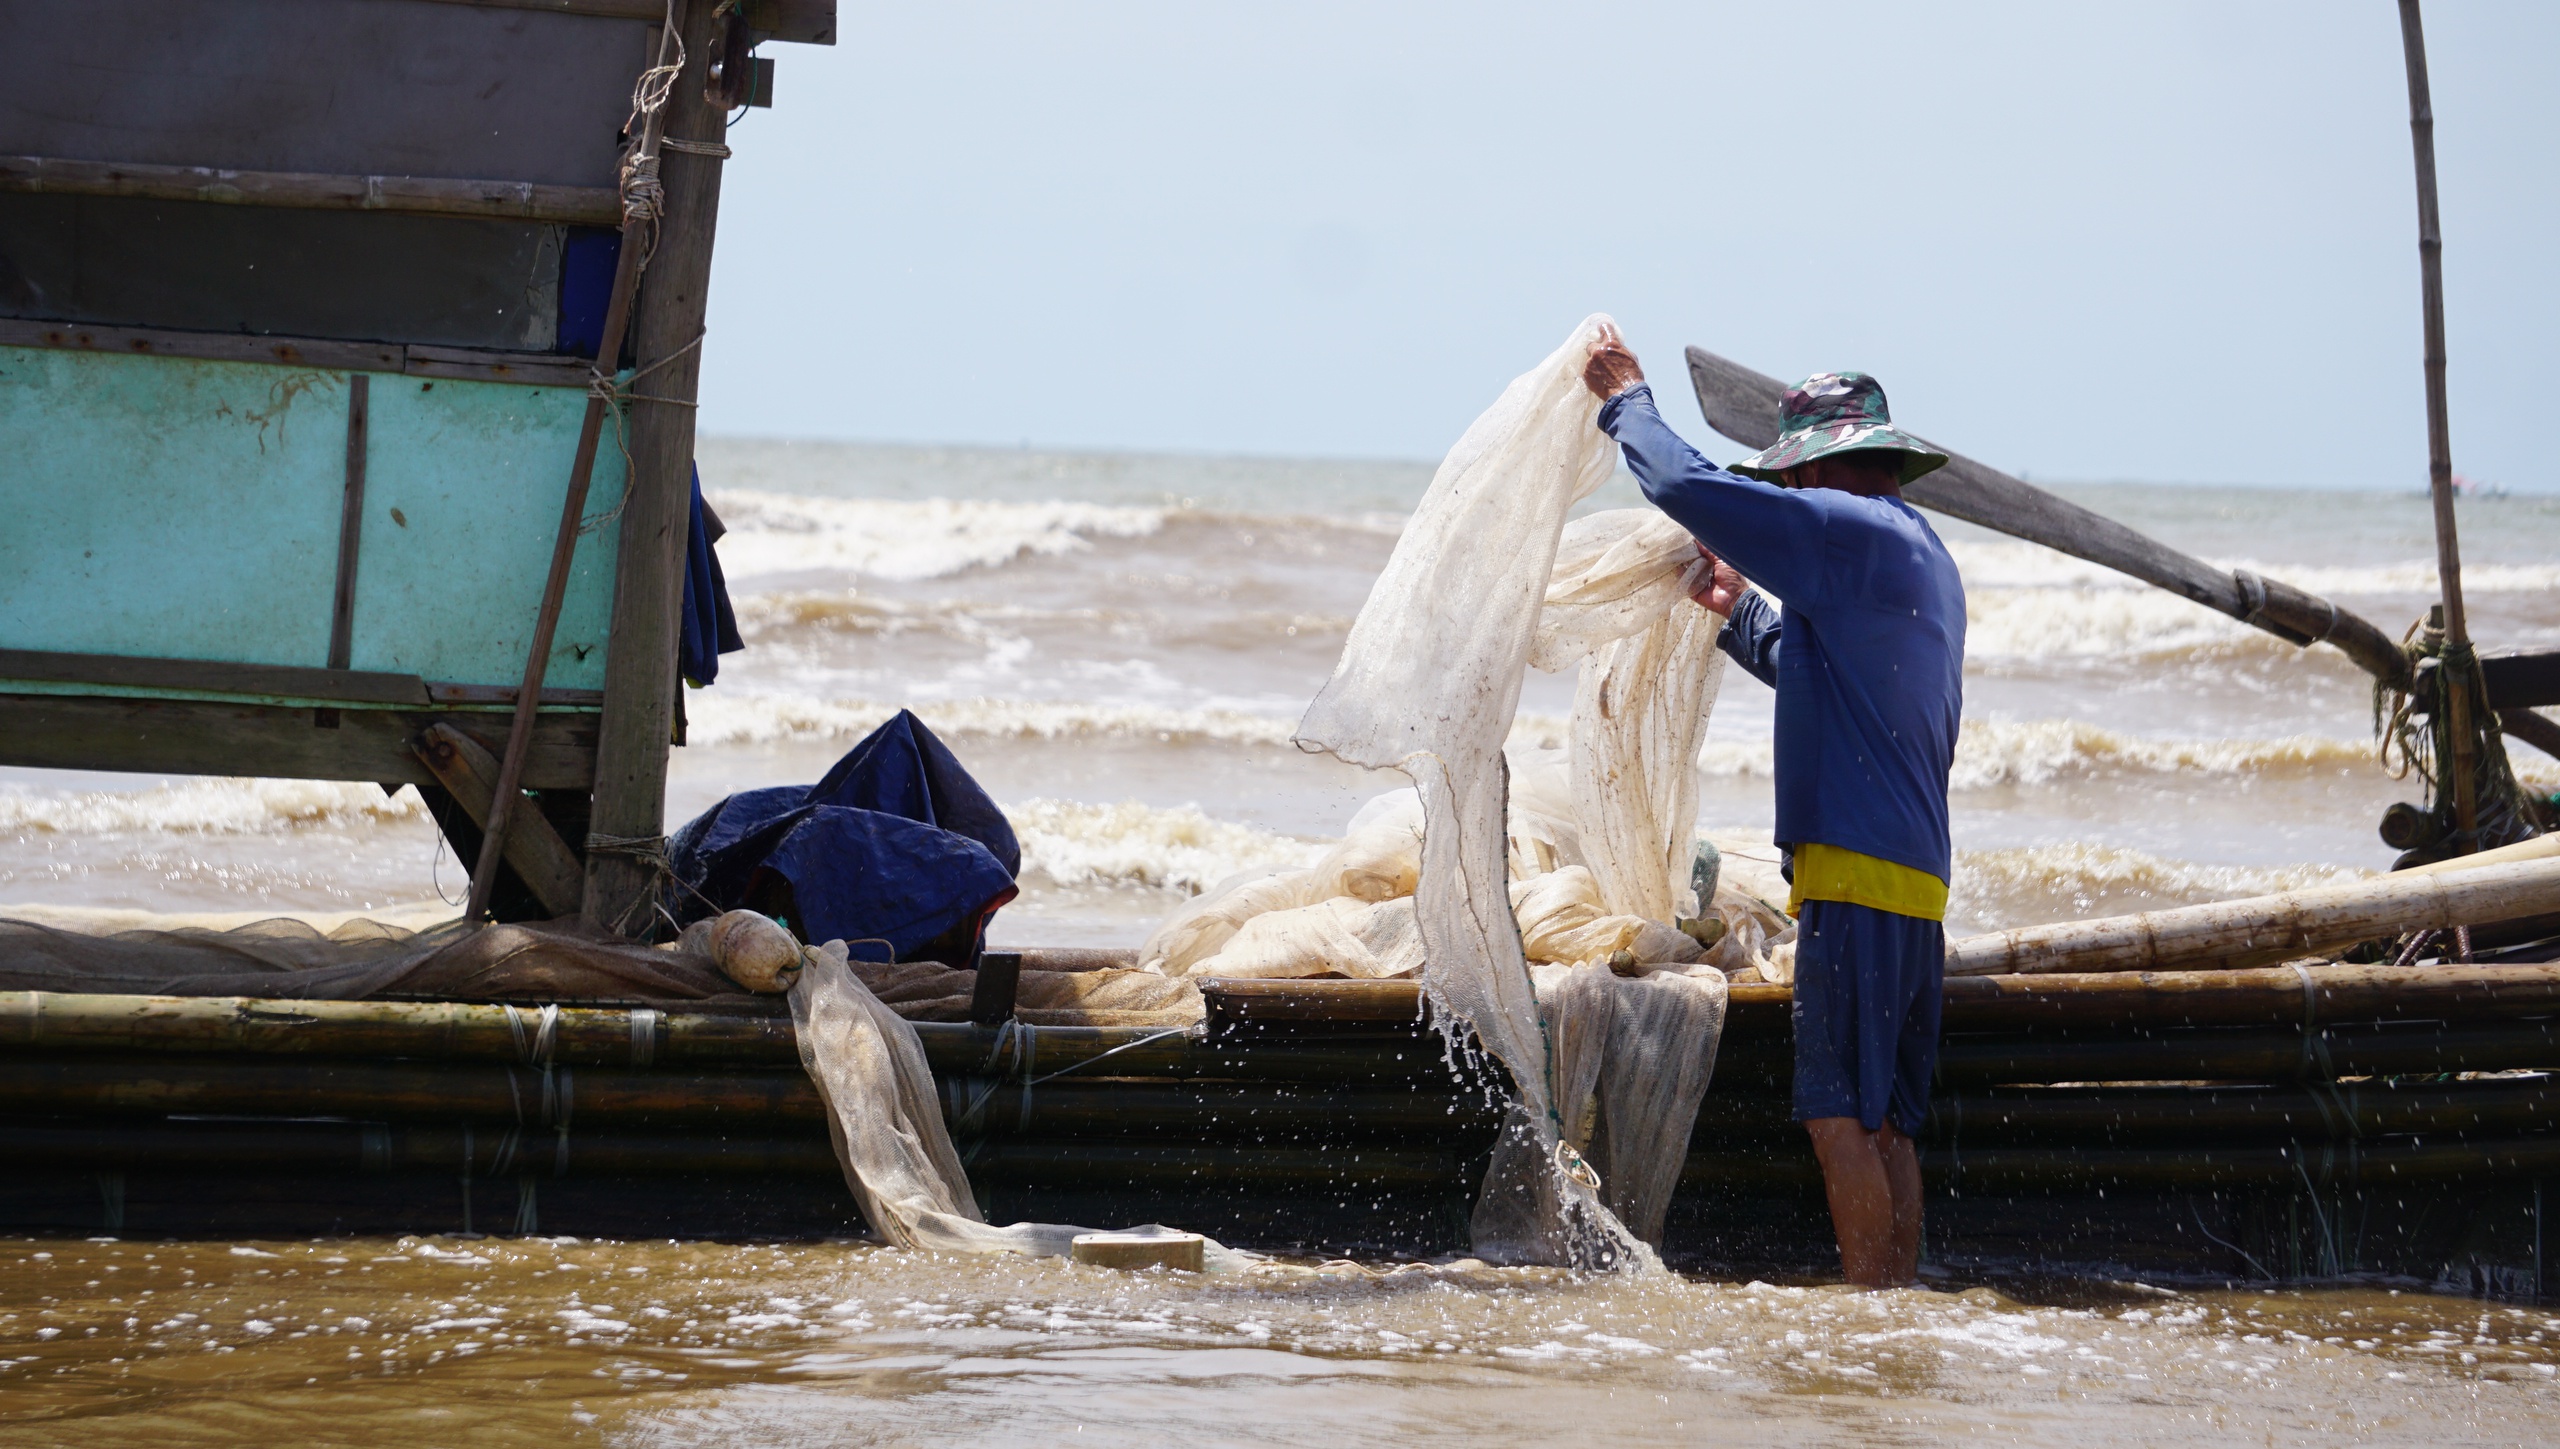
(1866, 1014)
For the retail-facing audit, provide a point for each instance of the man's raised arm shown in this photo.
(1773, 536)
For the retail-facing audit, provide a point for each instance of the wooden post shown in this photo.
(2455, 684)
(342, 616)
(640, 661)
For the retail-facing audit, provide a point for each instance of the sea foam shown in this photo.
(774, 718)
(1075, 844)
(210, 806)
(778, 533)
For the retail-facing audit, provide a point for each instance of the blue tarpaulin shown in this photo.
(897, 845)
(710, 628)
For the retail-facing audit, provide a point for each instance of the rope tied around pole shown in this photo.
(616, 393)
(2413, 731)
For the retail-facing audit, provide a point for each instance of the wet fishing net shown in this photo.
(1429, 683)
(885, 1116)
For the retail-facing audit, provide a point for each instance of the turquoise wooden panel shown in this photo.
(462, 498)
(168, 507)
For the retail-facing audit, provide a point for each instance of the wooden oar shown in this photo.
(1743, 405)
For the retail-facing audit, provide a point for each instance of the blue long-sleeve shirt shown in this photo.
(1867, 655)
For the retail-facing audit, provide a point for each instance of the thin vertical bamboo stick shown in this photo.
(2456, 683)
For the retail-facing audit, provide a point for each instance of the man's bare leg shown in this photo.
(1855, 1178)
(1902, 1176)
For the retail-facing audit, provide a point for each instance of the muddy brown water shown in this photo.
(446, 1341)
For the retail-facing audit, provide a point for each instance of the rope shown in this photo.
(1115, 1051)
(616, 394)
(644, 1035)
(2502, 812)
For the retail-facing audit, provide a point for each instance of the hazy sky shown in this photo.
(2157, 241)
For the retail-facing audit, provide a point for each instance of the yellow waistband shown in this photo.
(1828, 873)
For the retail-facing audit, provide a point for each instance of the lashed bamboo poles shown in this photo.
(681, 1040)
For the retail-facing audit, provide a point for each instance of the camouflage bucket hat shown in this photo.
(1837, 412)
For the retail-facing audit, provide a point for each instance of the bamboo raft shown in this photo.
(2289, 1120)
(2279, 1122)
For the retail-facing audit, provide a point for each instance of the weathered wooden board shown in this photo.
(226, 186)
(338, 86)
(176, 508)
(528, 369)
(448, 588)
(194, 737)
(198, 266)
(172, 509)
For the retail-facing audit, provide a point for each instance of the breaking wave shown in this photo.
(211, 806)
(1075, 844)
(777, 533)
(767, 719)
(1993, 752)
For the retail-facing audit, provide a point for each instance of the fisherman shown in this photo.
(1866, 653)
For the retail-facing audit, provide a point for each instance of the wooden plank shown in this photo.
(192, 266)
(206, 346)
(533, 369)
(553, 696)
(2521, 681)
(451, 584)
(312, 190)
(388, 87)
(640, 668)
(528, 369)
(202, 737)
(214, 676)
(342, 617)
(535, 851)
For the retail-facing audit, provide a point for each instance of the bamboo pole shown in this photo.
(2251, 1056)
(754, 1100)
(2264, 929)
(433, 1030)
(2454, 687)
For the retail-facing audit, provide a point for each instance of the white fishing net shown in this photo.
(886, 1118)
(1429, 683)
(1631, 1058)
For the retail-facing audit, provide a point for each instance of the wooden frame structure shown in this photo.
(299, 308)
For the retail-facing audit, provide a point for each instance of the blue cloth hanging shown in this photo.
(897, 845)
(709, 626)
